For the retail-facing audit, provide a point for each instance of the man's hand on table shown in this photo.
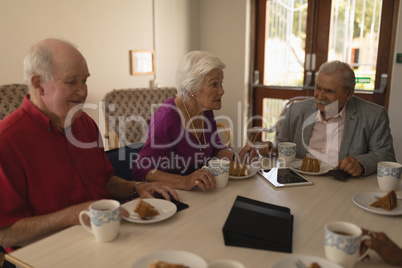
(351, 165)
(147, 190)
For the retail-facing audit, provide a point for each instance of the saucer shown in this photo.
(226, 263)
(296, 165)
(363, 200)
(289, 262)
(172, 256)
(250, 170)
(165, 208)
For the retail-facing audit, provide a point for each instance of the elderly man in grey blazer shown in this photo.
(337, 127)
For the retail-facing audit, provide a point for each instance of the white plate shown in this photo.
(363, 200)
(225, 263)
(165, 208)
(251, 172)
(172, 256)
(296, 165)
(289, 262)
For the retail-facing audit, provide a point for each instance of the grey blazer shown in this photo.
(366, 133)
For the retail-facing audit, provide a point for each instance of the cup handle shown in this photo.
(364, 237)
(86, 227)
(205, 168)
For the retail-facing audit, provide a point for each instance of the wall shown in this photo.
(104, 31)
(176, 33)
(395, 107)
(224, 30)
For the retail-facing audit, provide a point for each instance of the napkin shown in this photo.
(255, 224)
(339, 174)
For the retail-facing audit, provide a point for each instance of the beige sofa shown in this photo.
(11, 98)
(128, 111)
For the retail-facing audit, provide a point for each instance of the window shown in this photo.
(285, 43)
(294, 37)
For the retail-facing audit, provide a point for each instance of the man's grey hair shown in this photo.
(39, 60)
(192, 70)
(342, 71)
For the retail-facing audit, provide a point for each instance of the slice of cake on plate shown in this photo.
(314, 265)
(237, 169)
(388, 201)
(145, 210)
(162, 264)
(310, 165)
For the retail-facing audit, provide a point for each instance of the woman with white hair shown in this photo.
(182, 135)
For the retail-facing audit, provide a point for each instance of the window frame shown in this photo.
(320, 11)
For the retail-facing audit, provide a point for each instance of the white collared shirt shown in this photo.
(326, 138)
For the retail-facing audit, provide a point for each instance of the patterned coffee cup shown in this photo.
(342, 243)
(286, 153)
(105, 219)
(220, 169)
(388, 175)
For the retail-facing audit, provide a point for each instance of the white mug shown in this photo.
(388, 175)
(220, 169)
(105, 219)
(286, 153)
(342, 242)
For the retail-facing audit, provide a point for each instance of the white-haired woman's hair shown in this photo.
(192, 70)
(342, 71)
(39, 60)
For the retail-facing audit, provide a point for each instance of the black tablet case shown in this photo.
(255, 224)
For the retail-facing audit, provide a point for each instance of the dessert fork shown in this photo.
(300, 264)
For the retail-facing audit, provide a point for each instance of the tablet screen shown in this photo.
(283, 177)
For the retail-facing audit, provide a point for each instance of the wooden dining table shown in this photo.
(198, 229)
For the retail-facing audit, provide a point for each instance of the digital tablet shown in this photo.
(284, 177)
(180, 206)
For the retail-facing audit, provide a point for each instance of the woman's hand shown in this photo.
(267, 149)
(384, 246)
(247, 154)
(200, 178)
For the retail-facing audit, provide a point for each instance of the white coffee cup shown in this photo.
(342, 242)
(388, 175)
(220, 169)
(286, 153)
(105, 219)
